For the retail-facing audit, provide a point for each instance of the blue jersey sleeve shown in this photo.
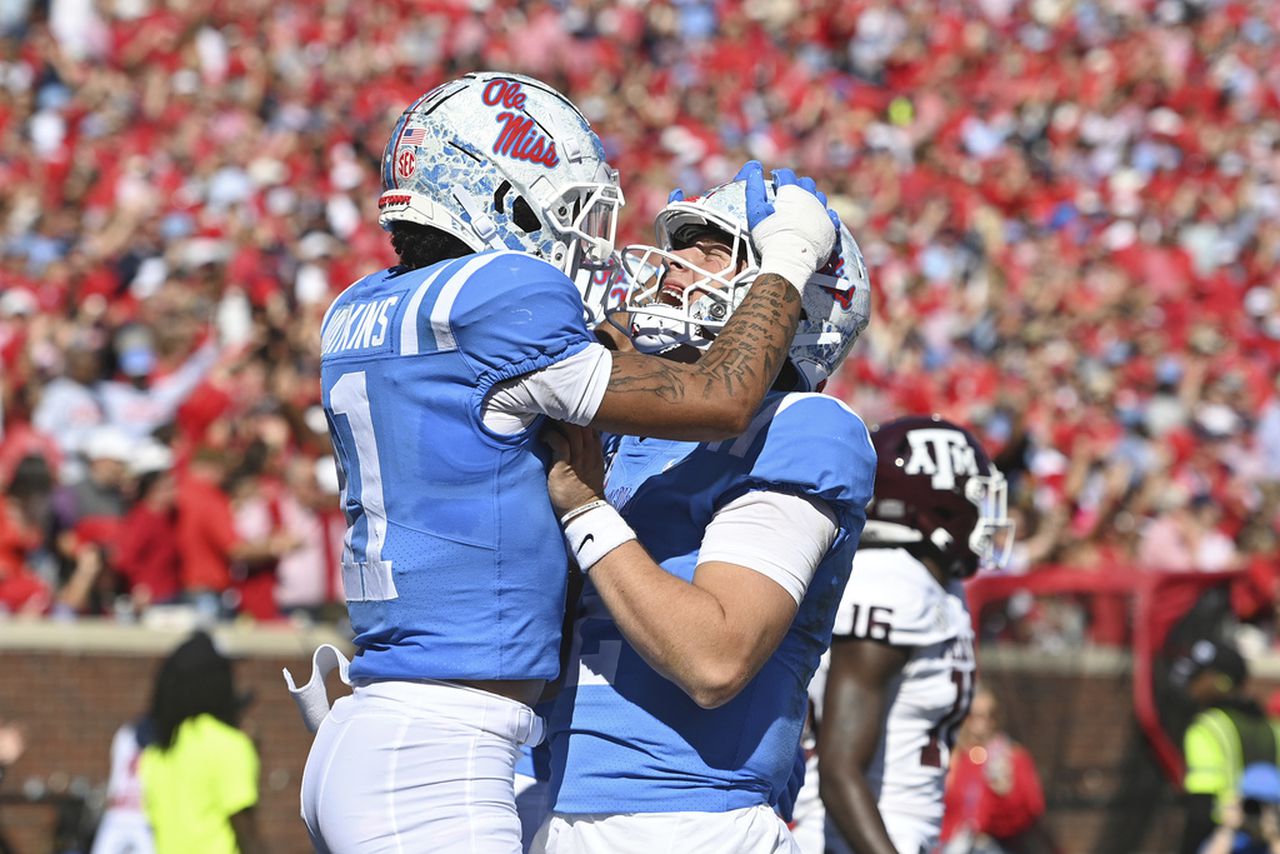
(515, 315)
(810, 444)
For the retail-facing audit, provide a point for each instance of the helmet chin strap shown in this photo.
(565, 255)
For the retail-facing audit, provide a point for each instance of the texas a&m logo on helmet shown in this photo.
(937, 490)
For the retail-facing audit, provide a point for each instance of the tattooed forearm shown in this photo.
(717, 396)
(652, 377)
(750, 351)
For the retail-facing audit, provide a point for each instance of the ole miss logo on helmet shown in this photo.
(518, 137)
(835, 269)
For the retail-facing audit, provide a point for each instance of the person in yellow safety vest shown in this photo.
(1230, 732)
(200, 775)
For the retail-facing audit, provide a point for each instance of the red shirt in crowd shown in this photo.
(20, 589)
(992, 789)
(147, 554)
(206, 533)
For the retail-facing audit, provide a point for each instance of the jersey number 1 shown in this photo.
(365, 575)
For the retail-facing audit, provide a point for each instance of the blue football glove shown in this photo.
(676, 195)
(758, 205)
(837, 252)
(782, 177)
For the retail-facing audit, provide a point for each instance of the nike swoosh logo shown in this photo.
(588, 538)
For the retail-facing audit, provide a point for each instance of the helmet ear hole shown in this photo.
(500, 194)
(523, 216)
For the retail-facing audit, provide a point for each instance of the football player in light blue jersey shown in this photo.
(713, 569)
(436, 376)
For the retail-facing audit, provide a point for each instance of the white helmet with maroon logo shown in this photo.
(937, 489)
(503, 161)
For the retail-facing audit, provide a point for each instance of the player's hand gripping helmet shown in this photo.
(836, 302)
(936, 486)
(503, 161)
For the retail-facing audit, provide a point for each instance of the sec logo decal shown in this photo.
(406, 162)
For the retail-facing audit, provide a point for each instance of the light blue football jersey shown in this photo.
(625, 739)
(454, 565)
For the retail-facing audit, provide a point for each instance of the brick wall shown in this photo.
(72, 700)
(1075, 715)
(72, 688)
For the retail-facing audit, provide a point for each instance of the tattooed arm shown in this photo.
(717, 396)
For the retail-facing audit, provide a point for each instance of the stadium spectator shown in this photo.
(147, 555)
(1231, 732)
(994, 801)
(100, 494)
(310, 577)
(124, 828)
(24, 520)
(89, 513)
(1187, 538)
(1070, 212)
(257, 514)
(138, 405)
(200, 774)
(1251, 821)
(69, 410)
(13, 743)
(208, 543)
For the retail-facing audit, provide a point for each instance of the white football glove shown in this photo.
(797, 238)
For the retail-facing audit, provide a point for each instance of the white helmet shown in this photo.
(503, 161)
(835, 308)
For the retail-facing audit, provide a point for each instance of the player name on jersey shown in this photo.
(358, 326)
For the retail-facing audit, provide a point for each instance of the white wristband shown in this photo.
(593, 534)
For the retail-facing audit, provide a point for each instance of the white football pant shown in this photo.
(416, 767)
(751, 830)
(533, 804)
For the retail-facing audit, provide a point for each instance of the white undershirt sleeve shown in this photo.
(780, 535)
(570, 390)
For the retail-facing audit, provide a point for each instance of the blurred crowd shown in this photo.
(1070, 210)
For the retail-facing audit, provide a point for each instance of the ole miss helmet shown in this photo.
(503, 161)
(835, 305)
(937, 491)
